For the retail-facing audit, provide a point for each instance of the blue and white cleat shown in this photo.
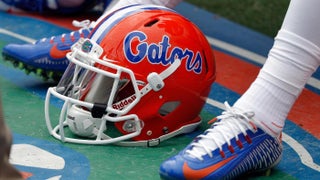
(46, 57)
(233, 146)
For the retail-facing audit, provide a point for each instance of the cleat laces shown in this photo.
(229, 124)
(85, 26)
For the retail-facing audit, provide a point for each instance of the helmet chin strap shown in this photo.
(155, 142)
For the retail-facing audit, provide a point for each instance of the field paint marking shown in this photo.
(305, 157)
(18, 36)
(303, 154)
(33, 156)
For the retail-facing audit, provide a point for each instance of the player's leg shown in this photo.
(247, 136)
(7, 171)
(70, 3)
(167, 3)
(293, 59)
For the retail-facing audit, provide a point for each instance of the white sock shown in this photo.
(116, 4)
(291, 62)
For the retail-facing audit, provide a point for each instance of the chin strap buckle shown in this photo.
(153, 142)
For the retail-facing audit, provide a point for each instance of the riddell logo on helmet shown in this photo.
(159, 53)
(124, 103)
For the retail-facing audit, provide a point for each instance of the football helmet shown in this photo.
(141, 77)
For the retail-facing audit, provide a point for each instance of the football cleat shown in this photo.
(46, 57)
(233, 146)
(46, 6)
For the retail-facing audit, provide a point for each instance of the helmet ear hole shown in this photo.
(151, 23)
(168, 107)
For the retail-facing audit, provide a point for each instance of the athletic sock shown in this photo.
(116, 4)
(291, 62)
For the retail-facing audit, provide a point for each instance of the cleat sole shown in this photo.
(46, 75)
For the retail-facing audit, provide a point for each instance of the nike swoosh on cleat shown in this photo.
(57, 53)
(25, 175)
(190, 173)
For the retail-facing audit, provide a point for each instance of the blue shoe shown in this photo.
(46, 57)
(45, 6)
(234, 146)
(27, 5)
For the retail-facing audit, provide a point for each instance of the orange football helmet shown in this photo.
(142, 77)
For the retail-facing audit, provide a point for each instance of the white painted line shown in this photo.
(18, 36)
(32, 156)
(237, 50)
(304, 155)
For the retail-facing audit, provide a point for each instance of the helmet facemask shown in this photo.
(91, 95)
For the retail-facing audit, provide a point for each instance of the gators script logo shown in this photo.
(159, 53)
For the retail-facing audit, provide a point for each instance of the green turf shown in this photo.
(264, 16)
